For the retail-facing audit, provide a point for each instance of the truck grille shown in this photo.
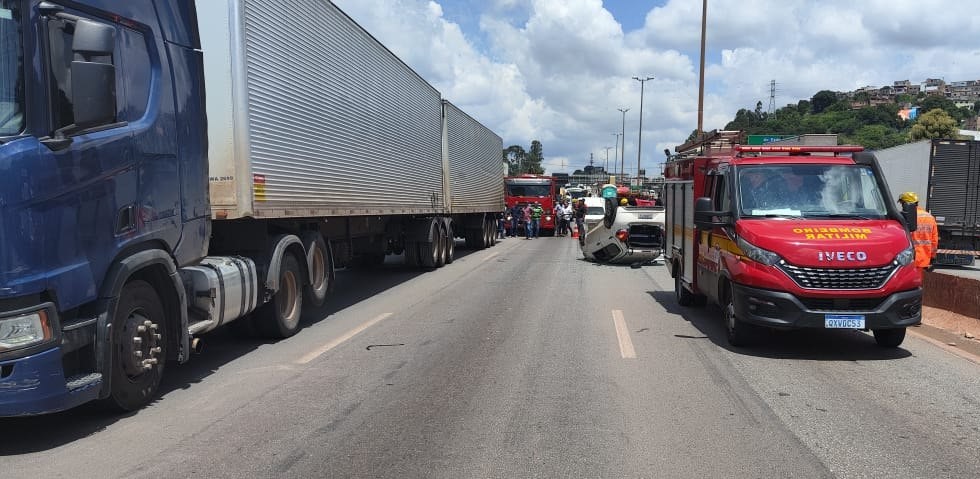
(829, 278)
(646, 237)
(841, 304)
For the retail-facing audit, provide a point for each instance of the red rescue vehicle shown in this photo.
(528, 188)
(789, 237)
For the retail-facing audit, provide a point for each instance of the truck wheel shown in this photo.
(684, 297)
(279, 318)
(318, 258)
(889, 338)
(139, 347)
(450, 245)
(739, 332)
(489, 236)
(441, 246)
(429, 252)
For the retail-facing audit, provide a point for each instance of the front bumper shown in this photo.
(36, 385)
(776, 309)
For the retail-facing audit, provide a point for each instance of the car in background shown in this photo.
(626, 234)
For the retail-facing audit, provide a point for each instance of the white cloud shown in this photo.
(557, 70)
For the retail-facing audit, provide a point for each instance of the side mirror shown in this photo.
(705, 217)
(93, 84)
(911, 216)
(93, 38)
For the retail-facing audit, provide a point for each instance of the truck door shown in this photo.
(710, 242)
(91, 176)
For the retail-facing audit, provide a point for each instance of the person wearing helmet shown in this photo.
(925, 238)
(623, 202)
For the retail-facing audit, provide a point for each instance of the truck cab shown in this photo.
(103, 172)
(791, 238)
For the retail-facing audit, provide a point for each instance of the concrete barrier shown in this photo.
(952, 293)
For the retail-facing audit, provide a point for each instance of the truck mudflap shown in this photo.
(780, 310)
(36, 385)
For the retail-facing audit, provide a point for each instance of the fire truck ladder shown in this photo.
(712, 143)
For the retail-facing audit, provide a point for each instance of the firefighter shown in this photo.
(925, 238)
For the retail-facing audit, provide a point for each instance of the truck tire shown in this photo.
(430, 253)
(491, 233)
(739, 332)
(683, 296)
(442, 245)
(139, 347)
(318, 259)
(889, 338)
(450, 245)
(279, 318)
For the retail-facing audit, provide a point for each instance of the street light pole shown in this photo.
(639, 142)
(622, 152)
(616, 153)
(605, 169)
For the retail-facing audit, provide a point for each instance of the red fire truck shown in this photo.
(789, 237)
(524, 189)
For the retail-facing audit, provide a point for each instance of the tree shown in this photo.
(535, 157)
(875, 137)
(934, 124)
(822, 100)
(516, 159)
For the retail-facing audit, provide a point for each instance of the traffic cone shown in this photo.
(575, 231)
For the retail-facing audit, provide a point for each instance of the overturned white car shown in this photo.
(626, 234)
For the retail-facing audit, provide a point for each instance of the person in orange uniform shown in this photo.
(925, 238)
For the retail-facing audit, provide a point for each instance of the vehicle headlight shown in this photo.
(547, 218)
(758, 254)
(24, 330)
(905, 257)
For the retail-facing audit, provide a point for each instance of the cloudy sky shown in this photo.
(558, 70)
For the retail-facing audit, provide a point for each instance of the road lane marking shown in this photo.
(346, 336)
(623, 333)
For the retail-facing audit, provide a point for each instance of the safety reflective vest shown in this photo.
(925, 238)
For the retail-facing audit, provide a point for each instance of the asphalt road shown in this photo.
(522, 360)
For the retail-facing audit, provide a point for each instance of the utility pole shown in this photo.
(704, 25)
(605, 169)
(623, 135)
(616, 153)
(639, 143)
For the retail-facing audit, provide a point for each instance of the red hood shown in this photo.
(827, 243)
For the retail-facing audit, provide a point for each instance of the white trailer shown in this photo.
(324, 148)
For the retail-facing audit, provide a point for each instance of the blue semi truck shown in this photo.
(159, 179)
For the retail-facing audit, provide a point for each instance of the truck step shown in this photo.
(83, 380)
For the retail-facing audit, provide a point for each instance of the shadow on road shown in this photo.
(353, 285)
(805, 344)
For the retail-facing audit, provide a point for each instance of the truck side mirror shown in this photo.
(911, 216)
(93, 84)
(705, 217)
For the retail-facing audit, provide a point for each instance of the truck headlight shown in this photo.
(24, 330)
(905, 257)
(547, 218)
(758, 254)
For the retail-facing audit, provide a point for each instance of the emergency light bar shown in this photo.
(798, 149)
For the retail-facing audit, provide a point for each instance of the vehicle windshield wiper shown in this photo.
(775, 215)
(841, 215)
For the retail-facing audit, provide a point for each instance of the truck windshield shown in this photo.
(528, 190)
(11, 69)
(809, 191)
